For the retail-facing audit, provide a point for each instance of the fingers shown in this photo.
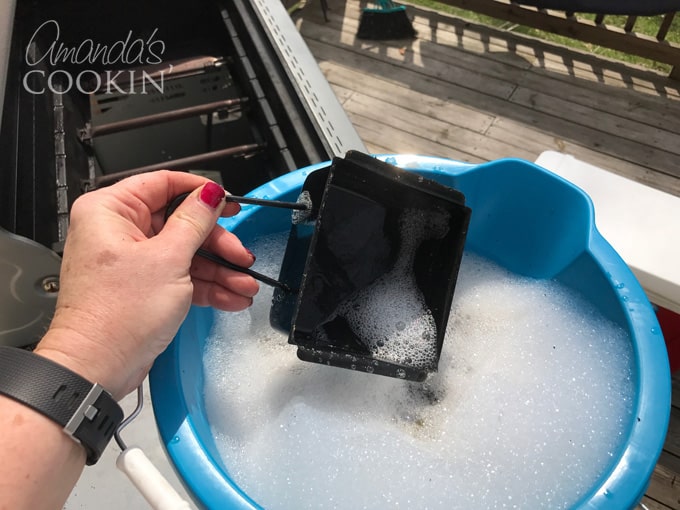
(154, 190)
(218, 240)
(233, 281)
(208, 293)
(227, 245)
(192, 225)
(150, 193)
(193, 220)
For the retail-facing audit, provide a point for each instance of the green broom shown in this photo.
(387, 21)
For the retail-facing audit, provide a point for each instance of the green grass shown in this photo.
(648, 25)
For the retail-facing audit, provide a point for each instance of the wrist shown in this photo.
(71, 350)
(85, 411)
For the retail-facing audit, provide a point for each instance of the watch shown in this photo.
(86, 411)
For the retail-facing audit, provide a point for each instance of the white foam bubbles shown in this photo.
(302, 216)
(390, 316)
(533, 395)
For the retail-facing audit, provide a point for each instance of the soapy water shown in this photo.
(390, 316)
(529, 407)
(298, 216)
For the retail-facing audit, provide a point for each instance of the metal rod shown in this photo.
(176, 164)
(298, 206)
(157, 118)
(230, 265)
(126, 421)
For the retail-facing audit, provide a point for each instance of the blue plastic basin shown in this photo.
(523, 217)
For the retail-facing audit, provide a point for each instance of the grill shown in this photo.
(99, 91)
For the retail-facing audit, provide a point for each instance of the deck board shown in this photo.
(474, 93)
(620, 117)
(548, 60)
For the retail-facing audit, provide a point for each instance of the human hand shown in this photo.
(128, 278)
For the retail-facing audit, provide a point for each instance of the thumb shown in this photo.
(192, 221)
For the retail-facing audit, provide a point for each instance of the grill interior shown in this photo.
(190, 86)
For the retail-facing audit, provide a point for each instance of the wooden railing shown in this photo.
(567, 24)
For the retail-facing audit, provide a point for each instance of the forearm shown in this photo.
(127, 280)
(40, 464)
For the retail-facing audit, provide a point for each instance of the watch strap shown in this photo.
(84, 410)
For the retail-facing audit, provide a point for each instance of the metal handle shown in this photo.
(174, 203)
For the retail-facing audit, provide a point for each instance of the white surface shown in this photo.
(103, 487)
(640, 222)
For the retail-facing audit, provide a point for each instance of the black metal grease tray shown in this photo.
(376, 265)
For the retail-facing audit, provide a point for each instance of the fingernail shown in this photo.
(212, 194)
(251, 254)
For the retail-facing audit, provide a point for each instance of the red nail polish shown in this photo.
(212, 194)
(251, 254)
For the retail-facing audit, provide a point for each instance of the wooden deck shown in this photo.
(475, 94)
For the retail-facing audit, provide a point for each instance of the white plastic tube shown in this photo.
(149, 481)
